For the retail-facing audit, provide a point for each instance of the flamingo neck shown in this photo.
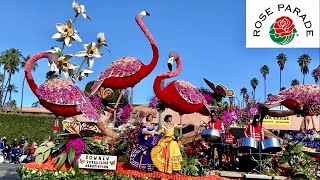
(157, 82)
(155, 51)
(28, 69)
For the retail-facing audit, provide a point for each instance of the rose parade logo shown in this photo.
(282, 24)
(282, 31)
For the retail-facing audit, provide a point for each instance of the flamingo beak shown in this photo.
(170, 62)
(147, 14)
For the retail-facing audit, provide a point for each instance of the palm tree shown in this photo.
(283, 88)
(294, 82)
(12, 88)
(36, 104)
(281, 60)
(304, 61)
(254, 83)
(243, 92)
(315, 75)
(11, 62)
(264, 70)
(23, 65)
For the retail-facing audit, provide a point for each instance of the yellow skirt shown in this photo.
(166, 156)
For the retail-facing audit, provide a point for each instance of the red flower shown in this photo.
(283, 26)
(203, 160)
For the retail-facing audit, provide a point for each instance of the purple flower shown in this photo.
(78, 145)
(123, 115)
(154, 101)
(253, 111)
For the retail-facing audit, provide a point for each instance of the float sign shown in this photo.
(282, 121)
(92, 161)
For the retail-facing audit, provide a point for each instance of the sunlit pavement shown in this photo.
(8, 171)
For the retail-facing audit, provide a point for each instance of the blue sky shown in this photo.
(209, 36)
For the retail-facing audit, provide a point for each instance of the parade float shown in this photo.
(99, 147)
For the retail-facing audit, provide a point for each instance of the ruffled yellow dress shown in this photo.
(166, 155)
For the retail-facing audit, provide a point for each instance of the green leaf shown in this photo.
(46, 155)
(294, 30)
(62, 143)
(76, 166)
(41, 150)
(71, 155)
(62, 159)
(103, 141)
(39, 158)
(50, 145)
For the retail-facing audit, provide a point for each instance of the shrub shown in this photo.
(35, 128)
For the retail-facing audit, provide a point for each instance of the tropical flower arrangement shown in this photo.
(123, 115)
(310, 138)
(67, 35)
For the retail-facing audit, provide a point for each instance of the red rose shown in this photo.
(283, 26)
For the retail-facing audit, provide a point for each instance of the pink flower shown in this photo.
(78, 145)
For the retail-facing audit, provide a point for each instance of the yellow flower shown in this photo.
(91, 50)
(66, 33)
(79, 8)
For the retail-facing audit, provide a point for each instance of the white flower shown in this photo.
(53, 55)
(83, 73)
(101, 39)
(67, 68)
(79, 8)
(91, 50)
(66, 33)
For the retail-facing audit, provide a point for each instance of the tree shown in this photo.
(264, 70)
(243, 92)
(283, 88)
(23, 65)
(12, 88)
(254, 83)
(36, 104)
(11, 62)
(294, 82)
(281, 60)
(304, 61)
(315, 75)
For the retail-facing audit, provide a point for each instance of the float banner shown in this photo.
(282, 24)
(282, 121)
(92, 161)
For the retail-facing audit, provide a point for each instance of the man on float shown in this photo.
(216, 124)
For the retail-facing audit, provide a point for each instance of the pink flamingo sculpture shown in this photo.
(61, 97)
(128, 71)
(180, 96)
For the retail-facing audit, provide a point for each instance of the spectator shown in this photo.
(22, 141)
(25, 146)
(32, 148)
(14, 143)
(1, 144)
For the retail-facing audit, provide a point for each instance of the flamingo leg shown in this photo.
(181, 125)
(131, 100)
(117, 103)
(56, 125)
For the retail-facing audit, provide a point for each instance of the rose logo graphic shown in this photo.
(282, 31)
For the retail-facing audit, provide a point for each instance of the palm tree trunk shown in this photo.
(254, 94)
(265, 89)
(6, 87)
(24, 79)
(2, 88)
(280, 80)
(10, 95)
(303, 78)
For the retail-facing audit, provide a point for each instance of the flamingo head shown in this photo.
(173, 56)
(143, 14)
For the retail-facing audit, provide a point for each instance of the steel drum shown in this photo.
(211, 135)
(247, 144)
(271, 145)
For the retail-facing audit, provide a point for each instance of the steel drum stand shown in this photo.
(261, 165)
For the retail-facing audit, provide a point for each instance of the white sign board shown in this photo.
(92, 161)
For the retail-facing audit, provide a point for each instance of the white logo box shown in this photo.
(261, 14)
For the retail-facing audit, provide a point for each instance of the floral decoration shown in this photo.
(189, 92)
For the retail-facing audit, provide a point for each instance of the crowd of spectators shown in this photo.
(17, 151)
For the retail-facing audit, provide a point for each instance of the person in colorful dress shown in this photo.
(255, 129)
(140, 156)
(166, 156)
(216, 124)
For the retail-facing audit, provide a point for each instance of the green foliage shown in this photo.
(43, 151)
(32, 174)
(190, 165)
(35, 127)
